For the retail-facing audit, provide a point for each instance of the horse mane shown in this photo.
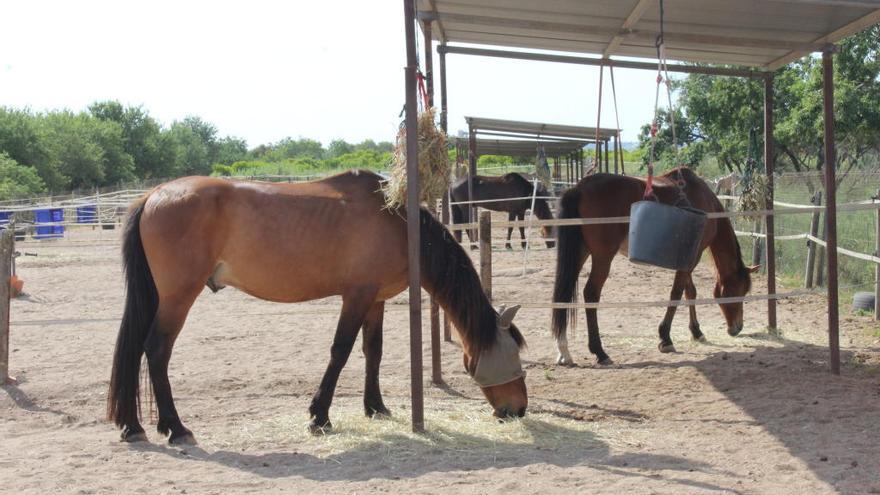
(449, 275)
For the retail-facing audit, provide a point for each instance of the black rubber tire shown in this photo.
(863, 301)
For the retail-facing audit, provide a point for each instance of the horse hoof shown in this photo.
(701, 339)
(132, 437)
(606, 362)
(666, 348)
(183, 439)
(563, 360)
(317, 428)
(381, 412)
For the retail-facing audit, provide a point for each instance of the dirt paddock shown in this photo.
(752, 414)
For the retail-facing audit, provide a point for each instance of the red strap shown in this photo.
(649, 182)
(422, 91)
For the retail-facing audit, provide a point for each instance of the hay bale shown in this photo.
(433, 161)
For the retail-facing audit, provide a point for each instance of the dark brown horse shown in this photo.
(501, 188)
(604, 195)
(291, 243)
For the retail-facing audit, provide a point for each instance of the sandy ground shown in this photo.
(753, 414)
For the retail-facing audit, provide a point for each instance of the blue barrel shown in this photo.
(5, 217)
(664, 235)
(49, 215)
(87, 214)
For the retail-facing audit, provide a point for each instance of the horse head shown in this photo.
(498, 369)
(737, 284)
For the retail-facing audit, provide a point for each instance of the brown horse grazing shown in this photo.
(511, 185)
(290, 243)
(604, 195)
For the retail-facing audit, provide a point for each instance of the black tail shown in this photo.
(449, 275)
(571, 252)
(141, 302)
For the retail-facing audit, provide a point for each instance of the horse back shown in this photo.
(282, 242)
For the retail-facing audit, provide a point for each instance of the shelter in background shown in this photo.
(746, 38)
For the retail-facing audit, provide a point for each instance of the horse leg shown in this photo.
(372, 345)
(592, 292)
(522, 230)
(511, 216)
(690, 292)
(355, 306)
(170, 316)
(666, 325)
(457, 217)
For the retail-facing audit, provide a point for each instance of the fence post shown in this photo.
(820, 258)
(877, 266)
(816, 200)
(757, 244)
(7, 238)
(444, 215)
(486, 252)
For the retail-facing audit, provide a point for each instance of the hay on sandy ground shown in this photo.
(433, 163)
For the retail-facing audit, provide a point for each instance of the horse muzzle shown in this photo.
(735, 329)
(503, 413)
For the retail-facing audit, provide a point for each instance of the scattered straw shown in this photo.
(433, 161)
(456, 428)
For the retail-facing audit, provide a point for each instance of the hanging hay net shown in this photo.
(754, 193)
(433, 162)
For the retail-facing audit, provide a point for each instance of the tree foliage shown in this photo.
(716, 114)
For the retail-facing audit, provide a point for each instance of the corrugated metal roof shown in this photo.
(525, 148)
(538, 130)
(766, 34)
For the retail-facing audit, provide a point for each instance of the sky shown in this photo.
(264, 70)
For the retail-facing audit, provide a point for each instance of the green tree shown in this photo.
(339, 147)
(230, 150)
(142, 137)
(18, 181)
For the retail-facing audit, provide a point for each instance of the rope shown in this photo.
(616, 121)
(663, 304)
(599, 116)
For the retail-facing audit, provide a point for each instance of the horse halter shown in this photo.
(500, 364)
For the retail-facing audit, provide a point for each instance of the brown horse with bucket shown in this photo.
(504, 193)
(604, 195)
(291, 243)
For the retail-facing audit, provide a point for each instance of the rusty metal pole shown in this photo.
(877, 267)
(831, 208)
(769, 166)
(486, 252)
(472, 172)
(413, 223)
(7, 238)
(436, 367)
(444, 204)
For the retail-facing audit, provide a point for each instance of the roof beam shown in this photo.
(644, 36)
(847, 30)
(624, 64)
(440, 28)
(630, 21)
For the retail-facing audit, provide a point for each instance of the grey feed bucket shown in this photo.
(664, 235)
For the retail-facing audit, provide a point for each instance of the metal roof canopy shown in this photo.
(762, 34)
(538, 130)
(522, 148)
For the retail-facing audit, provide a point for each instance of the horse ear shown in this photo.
(753, 268)
(505, 316)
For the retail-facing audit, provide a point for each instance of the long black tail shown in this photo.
(449, 275)
(571, 252)
(141, 302)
